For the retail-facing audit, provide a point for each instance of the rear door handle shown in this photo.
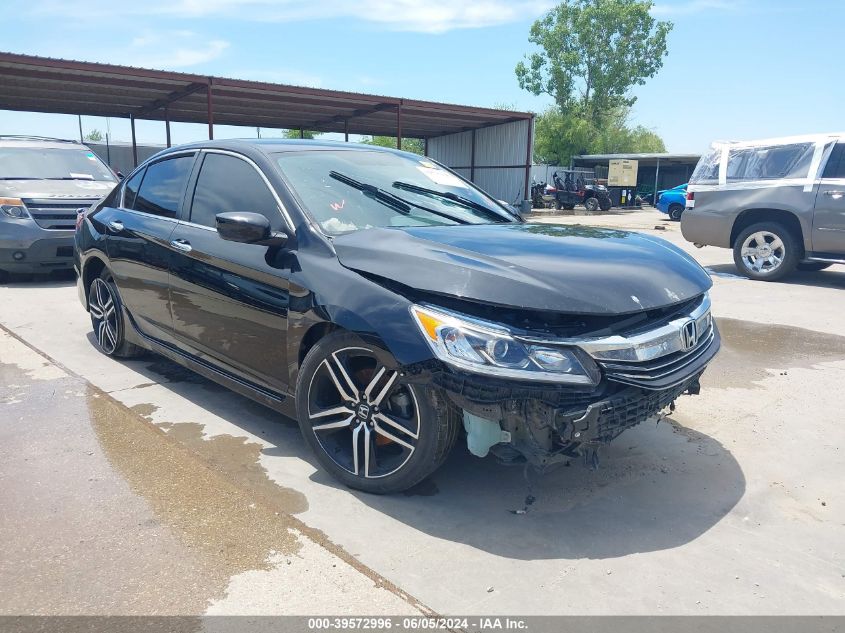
(116, 226)
(181, 245)
(834, 194)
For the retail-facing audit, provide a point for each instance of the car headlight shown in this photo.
(13, 208)
(489, 348)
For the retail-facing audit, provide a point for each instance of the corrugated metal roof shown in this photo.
(43, 84)
(644, 156)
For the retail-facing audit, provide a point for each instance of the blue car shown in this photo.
(672, 201)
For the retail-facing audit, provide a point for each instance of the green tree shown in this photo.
(94, 135)
(415, 145)
(308, 134)
(559, 136)
(592, 53)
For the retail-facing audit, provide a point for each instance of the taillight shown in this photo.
(690, 195)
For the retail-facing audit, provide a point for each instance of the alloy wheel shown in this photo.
(103, 310)
(363, 417)
(763, 252)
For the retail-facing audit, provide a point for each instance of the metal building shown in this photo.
(493, 147)
(497, 158)
(655, 171)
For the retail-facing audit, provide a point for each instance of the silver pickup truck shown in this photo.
(778, 203)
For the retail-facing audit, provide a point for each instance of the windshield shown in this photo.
(348, 190)
(30, 163)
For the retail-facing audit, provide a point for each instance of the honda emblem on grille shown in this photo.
(689, 335)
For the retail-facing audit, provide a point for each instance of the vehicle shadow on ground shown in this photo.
(833, 277)
(56, 279)
(658, 486)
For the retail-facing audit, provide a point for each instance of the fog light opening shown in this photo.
(18, 256)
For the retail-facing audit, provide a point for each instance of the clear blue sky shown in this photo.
(736, 68)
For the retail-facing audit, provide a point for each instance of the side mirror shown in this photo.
(119, 175)
(248, 228)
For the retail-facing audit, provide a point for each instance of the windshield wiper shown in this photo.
(448, 195)
(389, 199)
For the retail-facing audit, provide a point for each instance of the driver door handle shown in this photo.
(181, 245)
(116, 226)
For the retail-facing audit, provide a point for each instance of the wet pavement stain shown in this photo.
(208, 513)
(145, 410)
(119, 519)
(753, 351)
(238, 459)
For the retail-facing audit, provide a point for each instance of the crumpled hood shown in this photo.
(574, 269)
(70, 189)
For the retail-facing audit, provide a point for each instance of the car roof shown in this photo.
(278, 145)
(40, 142)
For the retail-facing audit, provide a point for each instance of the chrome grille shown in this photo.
(647, 373)
(56, 214)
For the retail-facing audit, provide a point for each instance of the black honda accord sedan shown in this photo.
(390, 305)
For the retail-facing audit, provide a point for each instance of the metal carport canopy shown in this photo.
(40, 84)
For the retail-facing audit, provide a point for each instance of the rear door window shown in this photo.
(770, 163)
(835, 167)
(163, 186)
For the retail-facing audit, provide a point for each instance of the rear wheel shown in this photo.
(813, 266)
(675, 212)
(767, 251)
(558, 205)
(369, 426)
(106, 312)
(591, 205)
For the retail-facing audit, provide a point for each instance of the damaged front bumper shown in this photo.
(548, 423)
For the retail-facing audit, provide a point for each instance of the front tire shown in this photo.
(369, 426)
(767, 251)
(591, 205)
(106, 311)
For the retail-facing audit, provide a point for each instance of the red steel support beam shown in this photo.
(472, 159)
(528, 157)
(167, 124)
(210, 110)
(399, 126)
(171, 98)
(134, 142)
